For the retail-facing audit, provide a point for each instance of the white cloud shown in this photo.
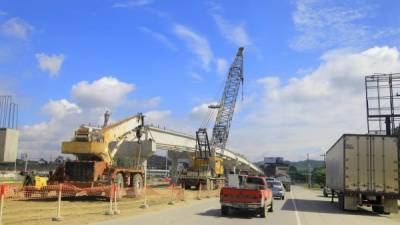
(43, 139)
(159, 37)
(157, 116)
(132, 3)
(308, 113)
(139, 104)
(328, 24)
(61, 108)
(222, 66)
(50, 63)
(105, 92)
(235, 33)
(17, 28)
(196, 76)
(202, 112)
(92, 99)
(197, 43)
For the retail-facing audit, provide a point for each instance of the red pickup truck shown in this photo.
(246, 193)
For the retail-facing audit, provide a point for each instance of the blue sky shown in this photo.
(170, 58)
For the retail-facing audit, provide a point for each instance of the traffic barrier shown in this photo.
(60, 196)
(19, 192)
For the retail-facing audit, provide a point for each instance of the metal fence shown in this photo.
(8, 112)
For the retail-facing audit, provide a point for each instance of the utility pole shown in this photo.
(308, 171)
(166, 164)
(24, 156)
(324, 155)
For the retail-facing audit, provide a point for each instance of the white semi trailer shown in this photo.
(364, 170)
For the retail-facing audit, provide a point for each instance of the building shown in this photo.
(275, 166)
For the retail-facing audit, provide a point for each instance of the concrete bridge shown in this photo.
(182, 146)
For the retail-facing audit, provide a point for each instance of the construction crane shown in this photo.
(226, 107)
(95, 149)
(207, 166)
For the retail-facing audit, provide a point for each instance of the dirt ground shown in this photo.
(84, 211)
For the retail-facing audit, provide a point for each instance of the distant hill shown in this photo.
(300, 165)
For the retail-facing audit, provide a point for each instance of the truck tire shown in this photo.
(120, 184)
(262, 212)
(341, 201)
(378, 209)
(271, 206)
(187, 186)
(137, 183)
(224, 210)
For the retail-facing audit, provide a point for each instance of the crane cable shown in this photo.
(211, 112)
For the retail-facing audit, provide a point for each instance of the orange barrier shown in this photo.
(18, 192)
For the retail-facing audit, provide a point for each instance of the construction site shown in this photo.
(209, 119)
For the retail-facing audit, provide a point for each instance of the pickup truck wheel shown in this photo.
(224, 210)
(283, 197)
(262, 212)
(271, 207)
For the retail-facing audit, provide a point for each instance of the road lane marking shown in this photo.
(295, 209)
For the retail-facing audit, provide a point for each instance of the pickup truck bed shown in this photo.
(254, 196)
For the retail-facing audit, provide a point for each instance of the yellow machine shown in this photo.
(207, 167)
(40, 181)
(213, 164)
(95, 149)
(33, 180)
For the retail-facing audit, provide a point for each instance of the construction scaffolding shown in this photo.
(383, 103)
(8, 112)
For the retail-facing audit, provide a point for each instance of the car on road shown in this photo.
(252, 195)
(270, 181)
(278, 192)
(326, 191)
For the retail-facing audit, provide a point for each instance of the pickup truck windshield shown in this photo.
(254, 180)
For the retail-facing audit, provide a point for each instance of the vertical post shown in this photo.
(166, 163)
(145, 205)
(26, 162)
(109, 211)
(171, 200)
(2, 192)
(59, 217)
(308, 171)
(183, 194)
(116, 210)
(199, 192)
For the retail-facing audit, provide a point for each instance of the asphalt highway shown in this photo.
(301, 207)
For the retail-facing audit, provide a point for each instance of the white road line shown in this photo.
(295, 209)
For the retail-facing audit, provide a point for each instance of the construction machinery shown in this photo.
(207, 168)
(95, 150)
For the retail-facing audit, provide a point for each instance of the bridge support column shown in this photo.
(177, 158)
(231, 166)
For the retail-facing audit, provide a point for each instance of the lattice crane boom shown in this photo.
(227, 103)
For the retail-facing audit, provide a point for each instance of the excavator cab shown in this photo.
(205, 160)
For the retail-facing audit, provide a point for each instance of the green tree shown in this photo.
(296, 175)
(318, 176)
